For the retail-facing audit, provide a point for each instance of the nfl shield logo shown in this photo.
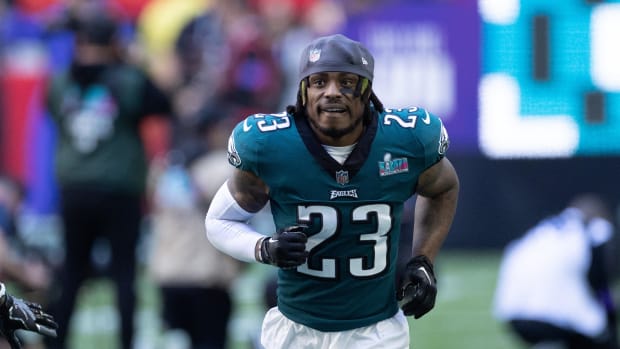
(314, 55)
(342, 177)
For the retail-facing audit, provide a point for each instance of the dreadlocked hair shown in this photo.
(299, 109)
(376, 102)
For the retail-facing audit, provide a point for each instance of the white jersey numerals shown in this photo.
(280, 121)
(330, 225)
(410, 120)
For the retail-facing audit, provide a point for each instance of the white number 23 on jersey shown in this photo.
(329, 217)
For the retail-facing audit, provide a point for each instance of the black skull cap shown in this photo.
(336, 53)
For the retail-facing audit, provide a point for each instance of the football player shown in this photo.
(337, 168)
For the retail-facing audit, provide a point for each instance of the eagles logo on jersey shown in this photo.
(233, 156)
(444, 141)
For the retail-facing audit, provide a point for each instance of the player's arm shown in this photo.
(437, 196)
(438, 188)
(248, 190)
(232, 207)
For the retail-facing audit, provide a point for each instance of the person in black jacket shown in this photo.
(100, 165)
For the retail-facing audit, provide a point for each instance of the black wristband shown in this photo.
(258, 250)
(265, 257)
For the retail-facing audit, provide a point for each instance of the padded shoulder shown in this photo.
(427, 133)
(257, 136)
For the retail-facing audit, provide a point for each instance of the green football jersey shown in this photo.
(353, 210)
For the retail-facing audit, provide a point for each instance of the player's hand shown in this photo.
(17, 314)
(417, 293)
(286, 248)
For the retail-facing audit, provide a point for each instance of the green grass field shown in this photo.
(461, 319)
(462, 316)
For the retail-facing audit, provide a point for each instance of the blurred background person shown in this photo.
(193, 278)
(225, 63)
(554, 282)
(22, 266)
(18, 263)
(98, 106)
(222, 66)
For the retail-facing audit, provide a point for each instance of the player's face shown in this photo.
(334, 113)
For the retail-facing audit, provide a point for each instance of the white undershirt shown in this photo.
(339, 154)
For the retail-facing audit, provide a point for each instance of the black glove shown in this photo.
(286, 248)
(17, 314)
(417, 293)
